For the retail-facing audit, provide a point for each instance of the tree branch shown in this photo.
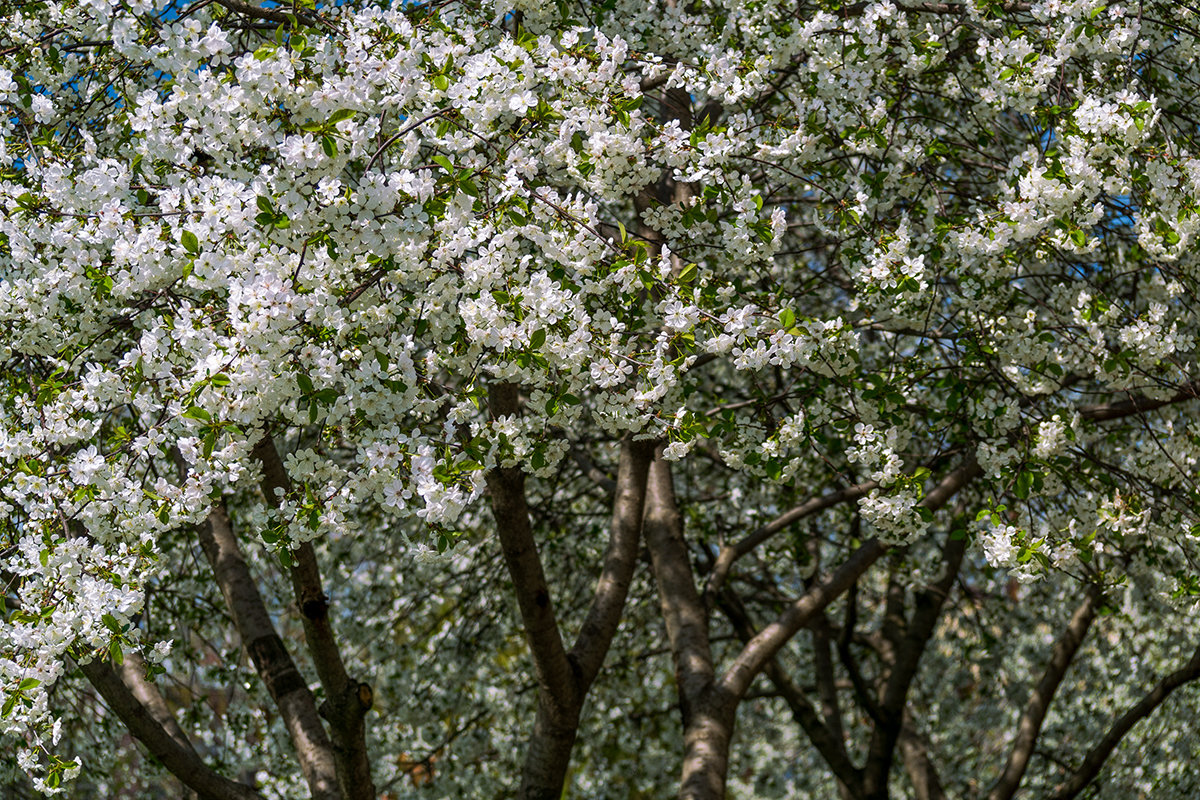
(269, 14)
(1138, 404)
(909, 648)
(766, 644)
(560, 698)
(506, 489)
(914, 752)
(133, 674)
(708, 711)
(272, 662)
(763, 647)
(1094, 760)
(825, 738)
(731, 553)
(347, 700)
(620, 559)
(125, 694)
(1030, 724)
(685, 616)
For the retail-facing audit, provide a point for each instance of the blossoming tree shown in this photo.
(740, 398)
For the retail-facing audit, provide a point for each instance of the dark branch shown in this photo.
(910, 646)
(163, 742)
(1094, 760)
(731, 553)
(347, 700)
(770, 639)
(1030, 724)
(270, 656)
(269, 14)
(1138, 404)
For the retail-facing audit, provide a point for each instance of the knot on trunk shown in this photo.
(366, 696)
(315, 607)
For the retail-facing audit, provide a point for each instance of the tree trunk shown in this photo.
(706, 740)
(548, 758)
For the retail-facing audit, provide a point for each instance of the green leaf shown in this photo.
(341, 114)
(787, 318)
(329, 146)
(197, 413)
(1024, 484)
(444, 163)
(326, 396)
(305, 383)
(538, 339)
(190, 242)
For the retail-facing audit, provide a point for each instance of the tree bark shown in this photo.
(706, 740)
(910, 640)
(914, 753)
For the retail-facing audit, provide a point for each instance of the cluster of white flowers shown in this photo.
(893, 515)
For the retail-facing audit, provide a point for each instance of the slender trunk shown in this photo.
(346, 700)
(708, 712)
(564, 677)
(270, 656)
(548, 758)
(706, 739)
